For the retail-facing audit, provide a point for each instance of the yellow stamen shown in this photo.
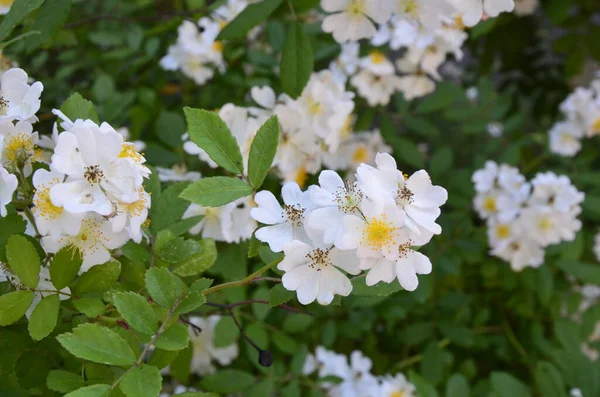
(218, 46)
(379, 234)
(489, 204)
(43, 206)
(377, 57)
(301, 176)
(502, 231)
(360, 155)
(128, 151)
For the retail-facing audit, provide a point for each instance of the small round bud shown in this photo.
(265, 358)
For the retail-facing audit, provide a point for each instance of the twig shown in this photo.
(244, 281)
(273, 279)
(251, 301)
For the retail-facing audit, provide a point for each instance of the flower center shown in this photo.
(218, 46)
(356, 8)
(93, 174)
(19, 148)
(404, 197)
(301, 176)
(377, 57)
(379, 233)
(360, 155)
(545, 224)
(318, 259)
(397, 394)
(409, 7)
(43, 205)
(295, 213)
(596, 126)
(314, 107)
(3, 105)
(489, 204)
(348, 198)
(502, 231)
(128, 151)
(137, 207)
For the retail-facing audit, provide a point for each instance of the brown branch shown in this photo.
(261, 301)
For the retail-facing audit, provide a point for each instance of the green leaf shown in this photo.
(360, 288)
(443, 96)
(63, 381)
(227, 381)
(226, 332)
(424, 389)
(506, 385)
(64, 266)
(76, 107)
(197, 394)
(585, 272)
(163, 287)
(10, 225)
(198, 262)
(408, 153)
(262, 151)
(441, 161)
(251, 16)
(44, 317)
(23, 260)
(296, 61)
(161, 358)
(91, 307)
(15, 15)
(136, 311)
(457, 386)
(549, 381)
(210, 133)
(98, 279)
(176, 337)
(20, 37)
(216, 191)
(167, 207)
(169, 127)
(143, 381)
(48, 21)
(14, 305)
(278, 295)
(422, 126)
(91, 391)
(98, 344)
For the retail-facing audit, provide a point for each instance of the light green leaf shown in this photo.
(48, 21)
(216, 191)
(251, 16)
(227, 381)
(176, 337)
(278, 295)
(14, 305)
(198, 262)
(296, 61)
(143, 381)
(91, 307)
(136, 311)
(65, 266)
(23, 260)
(360, 288)
(98, 279)
(76, 107)
(98, 344)
(163, 287)
(91, 391)
(15, 15)
(262, 151)
(210, 133)
(192, 301)
(506, 385)
(44, 317)
(63, 381)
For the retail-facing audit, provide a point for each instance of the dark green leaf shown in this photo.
(262, 151)
(64, 266)
(296, 61)
(44, 317)
(48, 21)
(91, 391)
(176, 337)
(251, 16)
(76, 107)
(63, 381)
(15, 15)
(163, 287)
(98, 279)
(14, 305)
(506, 385)
(227, 381)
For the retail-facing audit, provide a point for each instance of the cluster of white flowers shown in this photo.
(315, 131)
(370, 224)
(355, 374)
(352, 20)
(197, 52)
(525, 217)
(581, 110)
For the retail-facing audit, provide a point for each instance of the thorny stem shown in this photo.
(243, 281)
(149, 345)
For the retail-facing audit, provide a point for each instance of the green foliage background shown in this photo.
(473, 327)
